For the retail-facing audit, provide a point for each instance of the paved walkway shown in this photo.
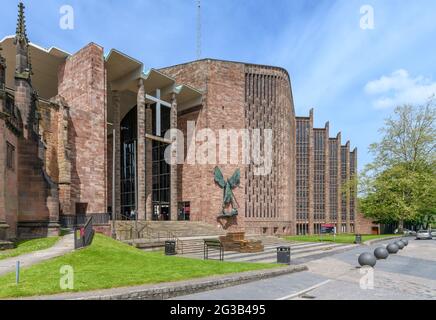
(62, 247)
(301, 252)
(410, 274)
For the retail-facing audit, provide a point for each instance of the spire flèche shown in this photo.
(21, 32)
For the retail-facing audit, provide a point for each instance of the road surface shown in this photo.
(410, 274)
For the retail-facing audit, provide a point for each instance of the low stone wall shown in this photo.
(104, 229)
(37, 229)
(176, 289)
(6, 245)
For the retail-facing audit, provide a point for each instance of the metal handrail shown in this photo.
(141, 230)
(72, 221)
(86, 235)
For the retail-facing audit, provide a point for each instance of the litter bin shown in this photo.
(170, 248)
(358, 239)
(284, 255)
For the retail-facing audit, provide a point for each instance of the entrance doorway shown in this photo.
(161, 174)
(184, 213)
(161, 212)
(161, 183)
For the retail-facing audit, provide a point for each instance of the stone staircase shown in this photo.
(195, 245)
(192, 245)
(269, 240)
(153, 234)
(301, 252)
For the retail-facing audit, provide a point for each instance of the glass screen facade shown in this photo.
(333, 154)
(319, 175)
(128, 163)
(302, 189)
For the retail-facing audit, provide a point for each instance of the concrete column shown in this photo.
(140, 169)
(348, 220)
(327, 174)
(311, 175)
(173, 168)
(339, 184)
(149, 165)
(116, 100)
(52, 203)
(64, 159)
(353, 187)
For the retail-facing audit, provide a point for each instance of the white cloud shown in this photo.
(400, 88)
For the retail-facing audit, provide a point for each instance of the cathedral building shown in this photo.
(88, 134)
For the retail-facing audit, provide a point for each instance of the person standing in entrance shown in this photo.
(132, 215)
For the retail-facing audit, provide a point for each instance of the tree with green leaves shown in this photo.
(400, 194)
(400, 184)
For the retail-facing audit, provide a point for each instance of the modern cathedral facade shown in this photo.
(86, 133)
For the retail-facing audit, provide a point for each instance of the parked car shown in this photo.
(406, 232)
(424, 235)
(433, 233)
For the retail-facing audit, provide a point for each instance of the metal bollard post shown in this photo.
(17, 273)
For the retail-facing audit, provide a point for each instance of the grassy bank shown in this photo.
(111, 264)
(27, 246)
(341, 238)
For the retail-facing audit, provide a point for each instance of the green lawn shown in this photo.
(111, 264)
(341, 238)
(27, 246)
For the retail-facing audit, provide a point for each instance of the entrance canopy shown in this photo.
(124, 73)
(45, 66)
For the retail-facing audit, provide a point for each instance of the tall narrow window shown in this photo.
(128, 163)
(10, 156)
(161, 183)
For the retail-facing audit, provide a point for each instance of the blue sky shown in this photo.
(351, 76)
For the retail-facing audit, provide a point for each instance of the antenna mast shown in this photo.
(198, 29)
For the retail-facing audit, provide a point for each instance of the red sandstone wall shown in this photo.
(11, 191)
(223, 108)
(83, 85)
(223, 84)
(270, 105)
(194, 74)
(8, 184)
(49, 128)
(2, 170)
(32, 189)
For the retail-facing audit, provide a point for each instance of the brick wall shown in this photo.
(365, 225)
(82, 83)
